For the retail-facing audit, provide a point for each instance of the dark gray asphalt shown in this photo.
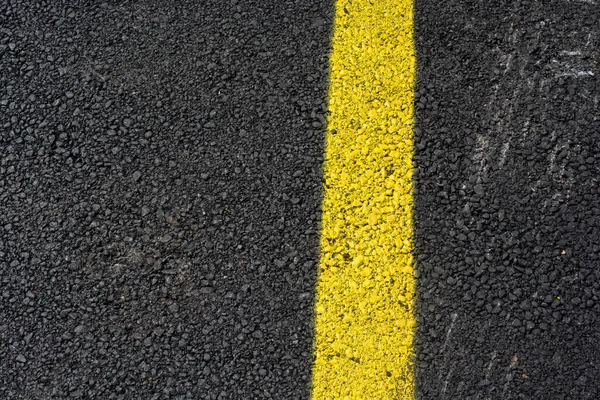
(507, 208)
(160, 180)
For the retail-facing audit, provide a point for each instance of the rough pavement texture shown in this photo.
(364, 316)
(507, 199)
(160, 181)
(160, 173)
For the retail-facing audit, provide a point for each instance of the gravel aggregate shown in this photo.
(507, 214)
(160, 182)
(160, 191)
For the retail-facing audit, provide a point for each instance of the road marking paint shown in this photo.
(366, 290)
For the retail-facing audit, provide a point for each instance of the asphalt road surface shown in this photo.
(507, 208)
(161, 186)
(160, 192)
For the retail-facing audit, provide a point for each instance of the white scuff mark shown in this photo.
(482, 145)
(449, 331)
(551, 161)
(557, 197)
(559, 177)
(494, 96)
(576, 74)
(569, 53)
(587, 43)
(509, 58)
(445, 384)
(503, 152)
(512, 34)
(570, 183)
(488, 370)
(593, 2)
(564, 69)
(509, 375)
(526, 126)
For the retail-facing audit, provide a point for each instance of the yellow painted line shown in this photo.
(366, 288)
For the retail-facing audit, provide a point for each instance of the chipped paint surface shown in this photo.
(366, 289)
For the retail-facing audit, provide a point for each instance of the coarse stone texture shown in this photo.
(507, 213)
(160, 185)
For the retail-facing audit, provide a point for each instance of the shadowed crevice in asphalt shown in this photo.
(160, 192)
(506, 201)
